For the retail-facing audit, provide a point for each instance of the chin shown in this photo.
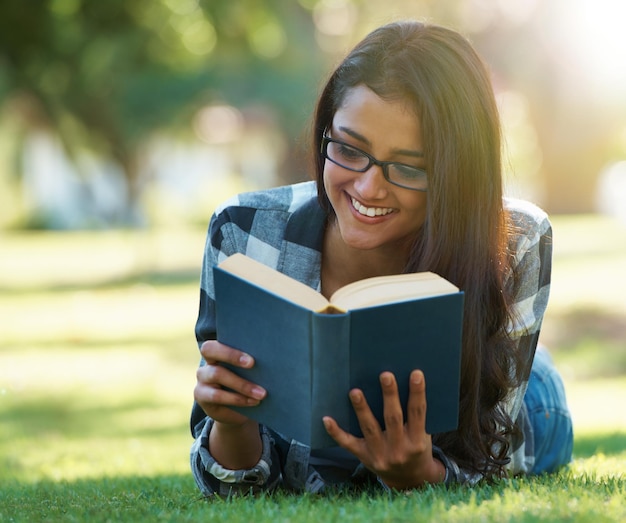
(360, 240)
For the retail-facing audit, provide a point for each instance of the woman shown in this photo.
(406, 145)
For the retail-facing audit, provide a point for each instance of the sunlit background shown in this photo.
(150, 111)
(123, 123)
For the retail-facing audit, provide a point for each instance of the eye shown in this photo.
(408, 172)
(349, 153)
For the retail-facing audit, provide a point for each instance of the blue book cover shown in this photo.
(309, 358)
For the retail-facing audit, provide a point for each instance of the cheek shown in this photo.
(417, 207)
(334, 177)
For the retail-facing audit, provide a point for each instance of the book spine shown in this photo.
(330, 359)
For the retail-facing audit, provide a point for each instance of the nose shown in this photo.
(371, 184)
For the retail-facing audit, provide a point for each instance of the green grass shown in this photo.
(563, 497)
(97, 361)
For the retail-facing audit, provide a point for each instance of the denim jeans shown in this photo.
(549, 415)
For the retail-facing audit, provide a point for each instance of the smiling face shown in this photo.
(372, 213)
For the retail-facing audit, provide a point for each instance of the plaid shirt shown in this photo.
(283, 228)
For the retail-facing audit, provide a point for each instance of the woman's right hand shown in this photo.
(213, 379)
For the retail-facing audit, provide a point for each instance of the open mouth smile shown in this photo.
(369, 211)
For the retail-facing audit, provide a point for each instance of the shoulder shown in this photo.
(278, 199)
(530, 247)
(257, 223)
(529, 225)
(526, 215)
(259, 210)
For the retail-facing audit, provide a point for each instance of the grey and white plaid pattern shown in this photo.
(283, 228)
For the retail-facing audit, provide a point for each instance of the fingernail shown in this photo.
(258, 393)
(355, 396)
(245, 360)
(385, 379)
(417, 378)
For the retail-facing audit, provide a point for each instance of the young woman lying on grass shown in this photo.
(407, 167)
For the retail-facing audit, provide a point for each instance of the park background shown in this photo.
(124, 123)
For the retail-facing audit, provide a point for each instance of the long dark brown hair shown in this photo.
(465, 235)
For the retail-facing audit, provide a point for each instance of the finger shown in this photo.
(212, 396)
(372, 433)
(217, 412)
(416, 406)
(215, 352)
(392, 409)
(220, 377)
(344, 439)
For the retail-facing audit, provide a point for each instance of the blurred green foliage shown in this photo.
(107, 76)
(104, 75)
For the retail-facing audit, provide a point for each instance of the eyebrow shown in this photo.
(361, 138)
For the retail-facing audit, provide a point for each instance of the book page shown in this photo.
(391, 289)
(273, 281)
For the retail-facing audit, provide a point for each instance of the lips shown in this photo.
(370, 211)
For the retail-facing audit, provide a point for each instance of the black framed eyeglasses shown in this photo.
(354, 159)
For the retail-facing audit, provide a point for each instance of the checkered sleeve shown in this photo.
(531, 245)
(533, 266)
(253, 224)
(250, 223)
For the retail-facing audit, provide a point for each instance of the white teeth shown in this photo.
(370, 211)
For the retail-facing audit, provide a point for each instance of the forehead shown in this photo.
(379, 120)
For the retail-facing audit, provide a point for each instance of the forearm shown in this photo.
(236, 447)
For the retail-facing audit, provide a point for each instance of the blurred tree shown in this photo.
(105, 75)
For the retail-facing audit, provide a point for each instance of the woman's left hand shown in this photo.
(401, 455)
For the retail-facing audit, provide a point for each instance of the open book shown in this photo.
(311, 351)
(357, 295)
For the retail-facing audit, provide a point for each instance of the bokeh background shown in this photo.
(123, 123)
(142, 112)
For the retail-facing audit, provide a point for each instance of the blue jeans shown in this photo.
(549, 415)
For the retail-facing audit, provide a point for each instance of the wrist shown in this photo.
(236, 445)
(433, 472)
(234, 428)
(437, 472)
